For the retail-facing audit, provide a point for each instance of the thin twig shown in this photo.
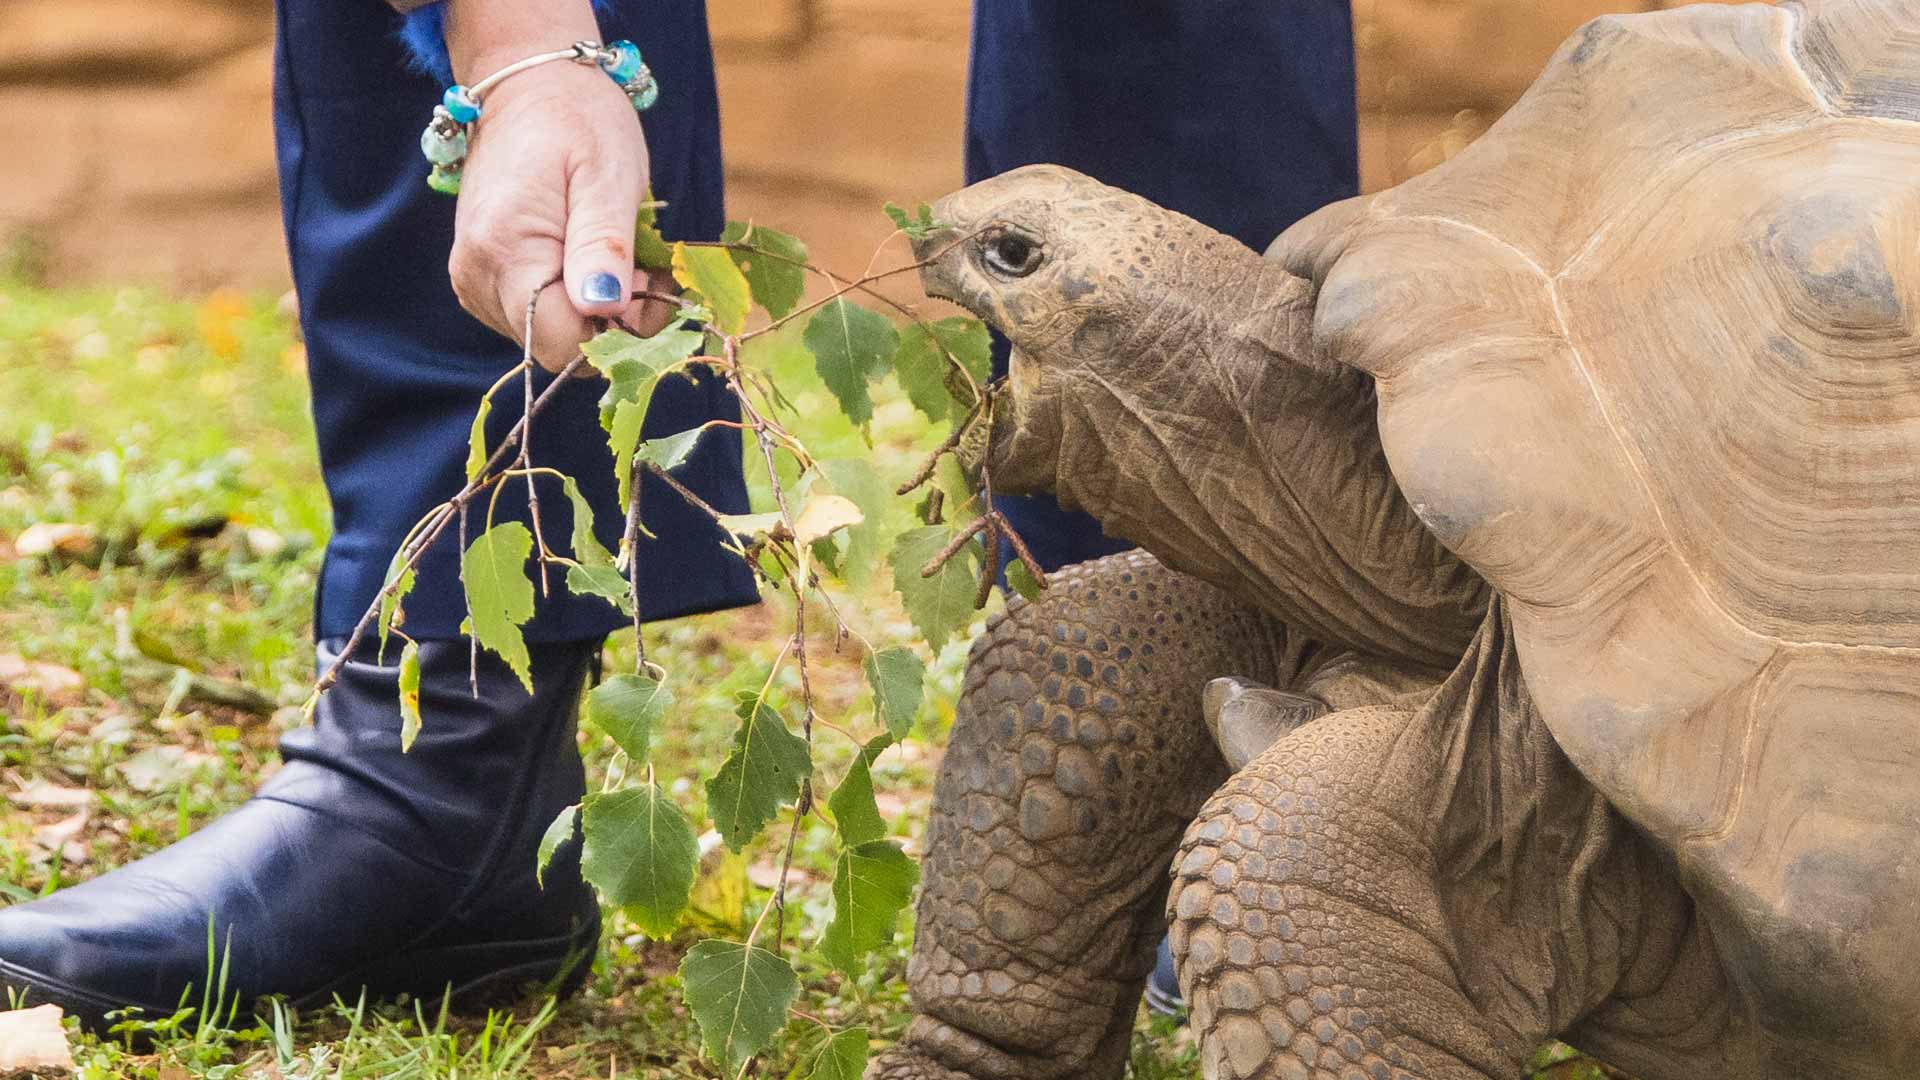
(927, 467)
(630, 547)
(525, 460)
(446, 513)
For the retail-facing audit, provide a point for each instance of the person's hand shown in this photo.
(553, 181)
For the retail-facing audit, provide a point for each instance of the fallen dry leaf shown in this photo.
(49, 537)
(42, 794)
(32, 1043)
(57, 836)
(51, 682)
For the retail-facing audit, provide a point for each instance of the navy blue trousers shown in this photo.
(398, 368)
(1239, 115)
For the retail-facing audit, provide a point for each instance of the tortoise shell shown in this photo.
(1648, 357)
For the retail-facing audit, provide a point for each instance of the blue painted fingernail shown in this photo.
(601, 288)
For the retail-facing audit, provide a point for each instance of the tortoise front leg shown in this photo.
(1077, 758)
(1427, 889)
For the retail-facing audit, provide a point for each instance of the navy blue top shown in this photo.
(1239, 115)
(398, 368)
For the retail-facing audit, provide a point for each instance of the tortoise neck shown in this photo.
(1243, 459)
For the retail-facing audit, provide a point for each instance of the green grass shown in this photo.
(176, 434)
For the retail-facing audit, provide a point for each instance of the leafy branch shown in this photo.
(824, 527)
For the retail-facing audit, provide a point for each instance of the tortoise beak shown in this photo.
(939, 277)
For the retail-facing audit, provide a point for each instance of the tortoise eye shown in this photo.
(1009, 253)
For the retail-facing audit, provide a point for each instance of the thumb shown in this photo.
(602, 202)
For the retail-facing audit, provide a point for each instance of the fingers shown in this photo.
(558, 328)
(603, 198)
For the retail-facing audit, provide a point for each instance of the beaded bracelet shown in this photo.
(444, 142)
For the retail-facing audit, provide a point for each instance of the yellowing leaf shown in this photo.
(477, 440)
(822, 516)
(391, 613)
(650, 249)
(773, 263)
(409, 695)
(710, 271)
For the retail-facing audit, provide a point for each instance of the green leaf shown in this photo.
(605, 582)
(773, 267)
(595, 575)
(943, 603)
(925, 373)
(916, 228)
(500, 597)
(587, 548)
(650, 249)
(669, 452)
(850, 345)
(559, 832)
(710, 272)
(856, 813)
(409, 695)
(628, 708)
(872, 883)
(750, 525)
(842, 1057)
(950, 477)
(855, 479)
(477, 440)
(1022, 581)
(897, 676)
(623, 440)
(739, 994)
(391, 613)
(765, 769)
(641, 854)
(633, 367)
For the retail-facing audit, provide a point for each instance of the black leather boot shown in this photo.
(355, 865)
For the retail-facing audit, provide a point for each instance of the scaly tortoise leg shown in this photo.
(1424, 889)
(1077, 758)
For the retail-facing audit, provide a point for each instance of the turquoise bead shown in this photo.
(444, 180)
(441, 148)
(626, 62)
(644, 93)
(462, 108)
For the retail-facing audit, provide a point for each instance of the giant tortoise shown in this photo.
(1579, 481)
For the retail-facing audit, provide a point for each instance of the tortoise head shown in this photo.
(1165, 379)
(1078, 276)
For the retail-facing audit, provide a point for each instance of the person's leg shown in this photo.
(358, 864)
(1241, 116)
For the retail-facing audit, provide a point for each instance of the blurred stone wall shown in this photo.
(135, 143)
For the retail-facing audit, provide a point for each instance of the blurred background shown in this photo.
(125, 162)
